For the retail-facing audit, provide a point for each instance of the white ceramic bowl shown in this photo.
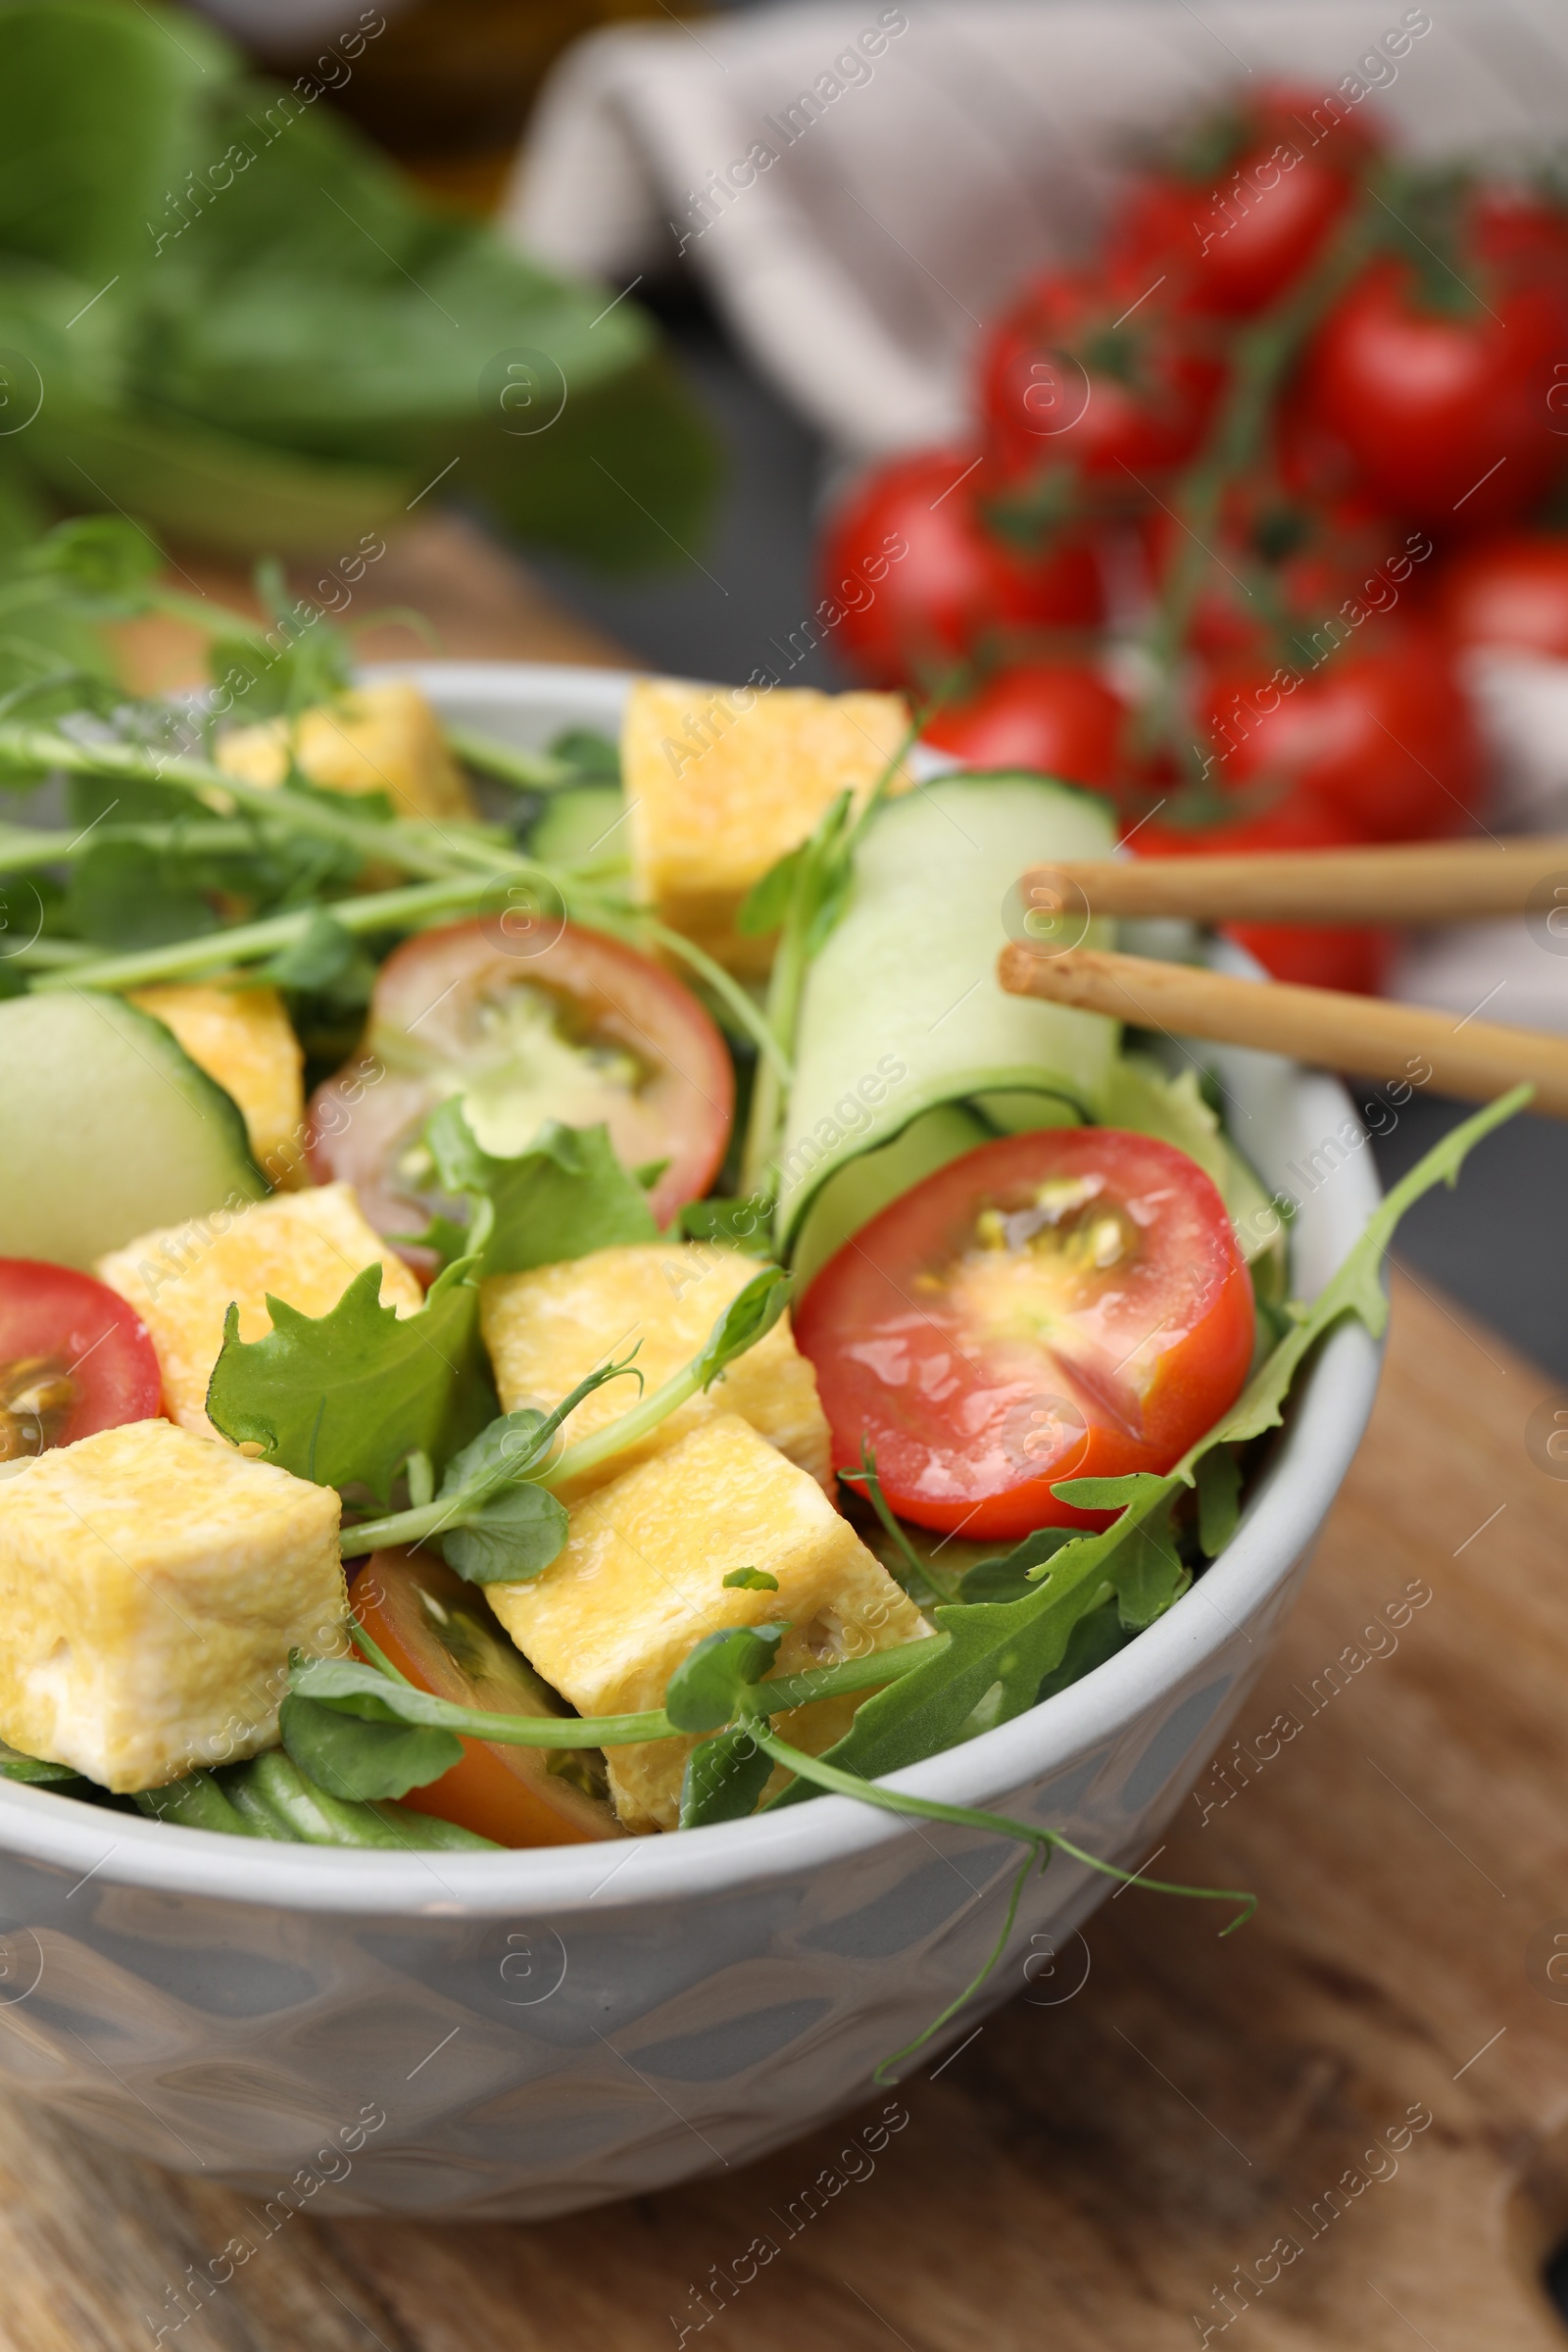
(540, 2031)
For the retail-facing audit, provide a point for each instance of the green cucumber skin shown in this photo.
(108, 1130)
(908, 978)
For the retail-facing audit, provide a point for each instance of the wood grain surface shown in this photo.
(1345, 2127)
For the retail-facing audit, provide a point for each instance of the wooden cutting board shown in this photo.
(1345, 2127)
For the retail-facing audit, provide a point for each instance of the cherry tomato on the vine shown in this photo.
(1311, 955)
(1444, 408)
(919, 577)
(1057, 717)
(1380, 730)
(1252, 210)
(1081, 375)
(1510, 591)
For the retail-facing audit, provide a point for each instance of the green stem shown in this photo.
(197, 1802)
(889, 1800)
(275, 1795)
(24, 850)
(530, 771)
(745, 1012)
(1263, 354)
(248, 943)
(419, 849)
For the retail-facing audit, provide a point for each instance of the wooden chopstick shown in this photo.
(1365, 1036)
(1414, 882)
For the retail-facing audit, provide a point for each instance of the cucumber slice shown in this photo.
(1144, 1096)
(581, 826)
(903, 1011)
(109, 1130)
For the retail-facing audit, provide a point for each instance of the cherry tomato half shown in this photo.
(917, 577)
(1511, 591)
(1070, 1304)
(568, 1025)
(74, 1358)
(1057, 717)
(439, 1633)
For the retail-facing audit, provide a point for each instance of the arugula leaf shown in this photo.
(998, 1654)
(345, 1398)
(1149, 1574)
(723, 1779)
(1007, 1577)
(713, 1683)
(567, 1195)
(351, 1757)
(736, 1224)
(1219, 1499)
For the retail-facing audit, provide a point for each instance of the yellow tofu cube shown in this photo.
(244, 1038)
(546, 1329)
(641, 1580)
(303, 1247)
(719, 784)
(382, 738)
(152, 1588)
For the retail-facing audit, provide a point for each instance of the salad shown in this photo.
(697, 1344)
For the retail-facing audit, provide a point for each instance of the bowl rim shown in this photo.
(1328, 1414)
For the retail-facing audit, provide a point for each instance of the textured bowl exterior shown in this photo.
(521, 2035)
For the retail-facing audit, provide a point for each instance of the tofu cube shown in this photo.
(641, 1580)
(303, 1247)
(244, 1038)
(382, 738)
(152, 1587)
(717, 793)
(546, 1329)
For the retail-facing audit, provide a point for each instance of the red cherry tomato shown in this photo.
(1511, 591)
(1291, 573)
(440, 1635)
(1069, 1303)
(1380, 731)
(1057, 717)
(1444, 411)
(1312, 955)
(577, 1028)
(918, 579)
(1079, 373)
(74, 1358)
(1275, 181)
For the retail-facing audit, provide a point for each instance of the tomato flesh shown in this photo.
(439, 1634)
(74, 1358)
(571, 1026)
(1069, 1303)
